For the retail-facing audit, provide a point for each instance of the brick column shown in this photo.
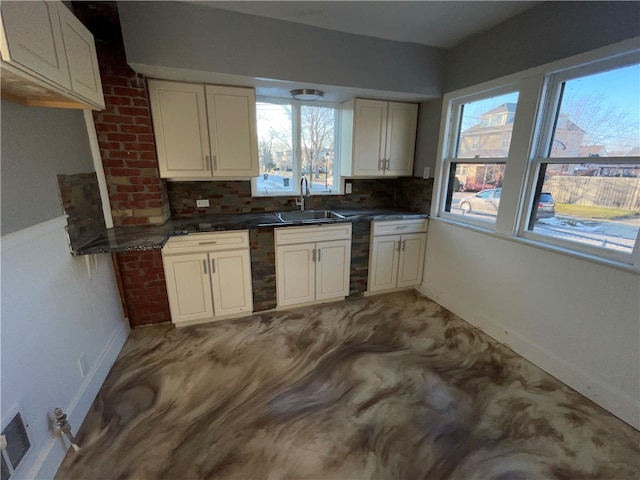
(137, 194)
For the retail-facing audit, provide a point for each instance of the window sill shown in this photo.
(626, 267)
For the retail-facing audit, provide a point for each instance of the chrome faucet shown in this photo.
(303, 193)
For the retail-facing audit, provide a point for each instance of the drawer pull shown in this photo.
(207, 243)
(402, 227)
(204, 265)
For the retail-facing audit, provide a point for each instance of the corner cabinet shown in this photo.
(204, 132)
(48, 57)
(312, 263)
(208, 276)
(377, 138)
(396, 258)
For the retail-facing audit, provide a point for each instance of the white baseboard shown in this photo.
(46, 466)
(609, 398)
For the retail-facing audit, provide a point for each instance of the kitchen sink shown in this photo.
(308, 216)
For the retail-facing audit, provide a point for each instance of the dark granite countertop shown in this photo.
(153, 237)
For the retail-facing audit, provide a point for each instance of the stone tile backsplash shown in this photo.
(410, 193)
(80, 197)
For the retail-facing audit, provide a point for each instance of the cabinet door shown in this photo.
(383, 269)
(81, 57)
(179, 118)
(370, 127)
(411, 259)
(333, 262)
(232, 131)
(188, 286)
(295, 274)
(33, 39)
(401, 138)
(231, 282)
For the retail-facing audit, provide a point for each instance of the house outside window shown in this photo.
(295, 140)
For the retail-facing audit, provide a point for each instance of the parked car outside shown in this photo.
(488, 202)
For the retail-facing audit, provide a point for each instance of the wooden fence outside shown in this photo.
(618, 192)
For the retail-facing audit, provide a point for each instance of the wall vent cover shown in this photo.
(15, 434)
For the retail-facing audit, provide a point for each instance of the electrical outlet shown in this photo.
(82, 364)
(347, 187)
(202, 203)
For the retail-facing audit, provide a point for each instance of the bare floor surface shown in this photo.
(386, 387)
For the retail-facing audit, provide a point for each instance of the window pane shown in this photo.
(483, 178)
(486, 126)
(318, 147)
(597, 205)
(275, 152)
(599, 116)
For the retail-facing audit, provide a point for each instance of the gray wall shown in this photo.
(38, 144)
(548, 32)
(427, 137)
(182, 35)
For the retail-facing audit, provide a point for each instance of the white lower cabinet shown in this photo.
(312, 263)
(208, 276)
(396, 256)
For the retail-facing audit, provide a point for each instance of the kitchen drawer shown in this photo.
(199, 242)
(399, 226)
(313, 233)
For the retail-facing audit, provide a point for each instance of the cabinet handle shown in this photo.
(313, 257)
(402, 227)
(319, 250)
(215, 162)
(380, 164)
(404, 244)
(207, 243)
(208, 162)
(399, 246)
(204, 265)
(213, 266)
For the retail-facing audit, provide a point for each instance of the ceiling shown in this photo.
(434, 23)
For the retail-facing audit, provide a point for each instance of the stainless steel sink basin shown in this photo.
(308, 216)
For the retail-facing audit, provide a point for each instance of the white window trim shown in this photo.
(522, 169)
(296, 177)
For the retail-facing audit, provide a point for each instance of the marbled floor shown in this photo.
(392, 386)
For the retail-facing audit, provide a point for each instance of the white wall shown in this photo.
(53, 311)
(576, 319)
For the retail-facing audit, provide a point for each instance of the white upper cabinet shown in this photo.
(232, 131)
(48, 57)
(377, 138)
(204, 131)
(180, 123)
(82, 58)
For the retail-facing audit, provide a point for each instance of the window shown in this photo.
(552, 157)
(586, 194)
(483, 131)
(296, 140)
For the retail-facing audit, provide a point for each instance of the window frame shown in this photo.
(542, 151)
(454, 122)
(537, 96)
(296, 131)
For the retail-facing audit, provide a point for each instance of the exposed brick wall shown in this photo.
(144, 287)
(137, 194)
